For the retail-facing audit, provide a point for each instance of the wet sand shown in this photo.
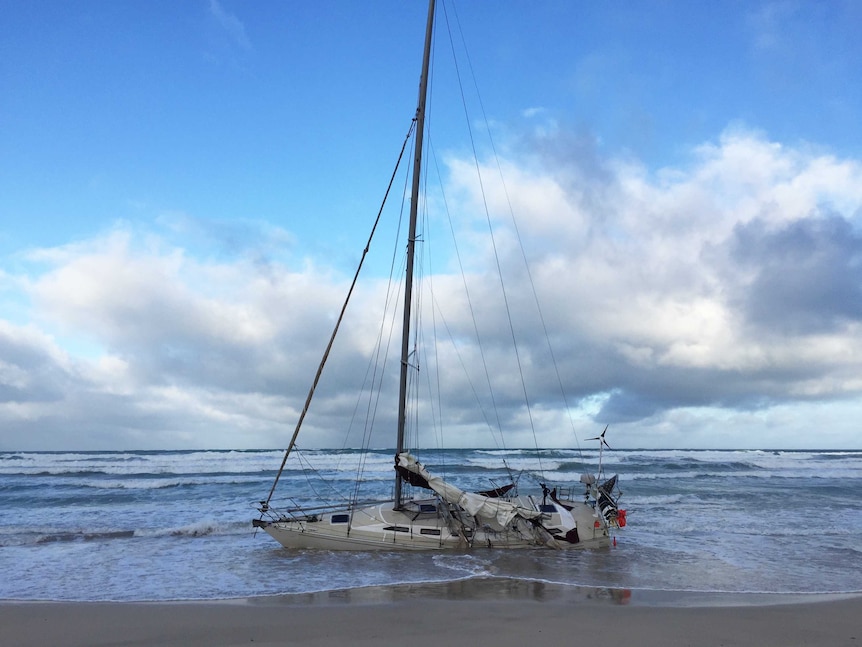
(491, 612)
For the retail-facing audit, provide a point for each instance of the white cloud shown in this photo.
(665, 283)
(713, 305)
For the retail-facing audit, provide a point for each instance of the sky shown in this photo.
(186, 188)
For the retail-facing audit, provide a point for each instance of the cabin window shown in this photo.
(427, 507)
(547, 507)
(340, 518)
(429, 531)
(397, 528)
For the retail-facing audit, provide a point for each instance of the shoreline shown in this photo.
(506, 589)
(495, 589)
(508, 613)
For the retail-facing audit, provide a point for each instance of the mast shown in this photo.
(411, 245)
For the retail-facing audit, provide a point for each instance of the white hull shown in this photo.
(379, 527)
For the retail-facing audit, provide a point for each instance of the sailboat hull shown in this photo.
(456, 519)
(380, 527)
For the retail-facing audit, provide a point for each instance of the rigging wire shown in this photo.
(420, 353)
(514, 220)
(426, 257)
(265, 504)
(381, 350)
(516, 229)
(473, 318)
(414, 358)
(494, 246)
(308, 470)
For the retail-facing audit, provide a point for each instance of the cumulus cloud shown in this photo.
(32, 368)
(199, 352)
(731, 283)
(680, 303)
(801, 278)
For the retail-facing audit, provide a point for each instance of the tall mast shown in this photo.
(411, 245)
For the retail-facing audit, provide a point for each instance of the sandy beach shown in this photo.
(451, 614)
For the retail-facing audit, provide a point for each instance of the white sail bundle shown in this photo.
(497, 513)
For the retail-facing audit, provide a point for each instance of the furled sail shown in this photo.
(495, 512)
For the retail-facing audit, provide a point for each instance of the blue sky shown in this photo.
(184, 186)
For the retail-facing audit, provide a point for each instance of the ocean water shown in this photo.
(176, 525)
